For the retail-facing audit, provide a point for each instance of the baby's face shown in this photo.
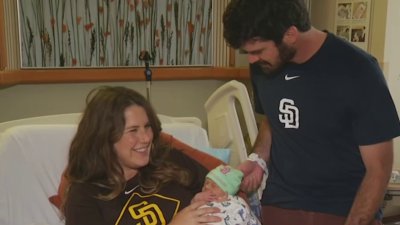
(211, 186)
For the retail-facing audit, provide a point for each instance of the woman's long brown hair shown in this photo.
(92, 158)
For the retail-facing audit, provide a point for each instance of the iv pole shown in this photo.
(145, 56)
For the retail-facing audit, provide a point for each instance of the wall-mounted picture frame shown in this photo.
(352, 21)
(113, 33)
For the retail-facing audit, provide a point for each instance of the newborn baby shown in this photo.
(220, 188)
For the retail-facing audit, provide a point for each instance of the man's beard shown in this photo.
(286, 54)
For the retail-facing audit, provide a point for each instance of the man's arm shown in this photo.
(378, 161)
(262, 145)
(253, 172)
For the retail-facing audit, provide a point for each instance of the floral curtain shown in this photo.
(108, 33)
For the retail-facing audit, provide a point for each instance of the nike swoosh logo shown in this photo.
(290, 78)
(130, 191)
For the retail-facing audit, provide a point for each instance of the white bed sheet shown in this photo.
(32, 159)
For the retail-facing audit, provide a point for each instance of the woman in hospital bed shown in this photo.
(120, 172)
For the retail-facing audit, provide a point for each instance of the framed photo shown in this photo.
(113, 33)
(353, 21)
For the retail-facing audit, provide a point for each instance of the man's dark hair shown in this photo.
(267, 19)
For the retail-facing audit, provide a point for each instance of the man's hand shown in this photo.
(253, 175)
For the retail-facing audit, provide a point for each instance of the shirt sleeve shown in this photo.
(376, 118)
(254, 72)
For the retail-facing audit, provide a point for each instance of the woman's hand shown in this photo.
(206, 196)
(195, 214)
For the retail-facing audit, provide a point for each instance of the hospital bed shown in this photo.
(33, 152)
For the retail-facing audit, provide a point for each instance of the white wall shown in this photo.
(392, 59)
(175, 98)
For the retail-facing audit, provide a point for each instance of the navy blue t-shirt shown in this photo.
(320, 112)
